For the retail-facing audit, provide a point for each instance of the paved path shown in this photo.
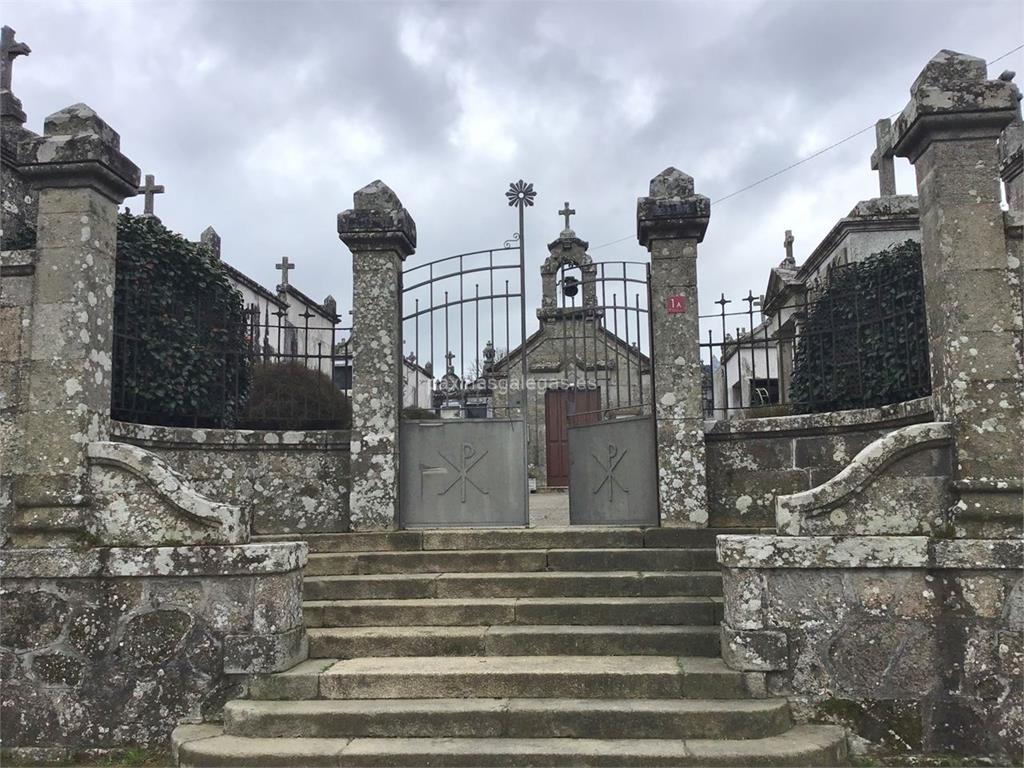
(549, 508)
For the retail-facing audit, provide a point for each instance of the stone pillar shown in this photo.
(81, 177)
(671, 221)
(380, 233)
(949, 131)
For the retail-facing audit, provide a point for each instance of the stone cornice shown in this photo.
(856, 552)
(899, 219)
(168, 562)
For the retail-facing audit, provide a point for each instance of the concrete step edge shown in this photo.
(801, 745)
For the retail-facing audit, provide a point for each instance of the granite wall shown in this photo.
(17, 276)
(287, 482)
(752, 461)
(113, 647)
(913, 643)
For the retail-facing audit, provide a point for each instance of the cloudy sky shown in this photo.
(262, 118)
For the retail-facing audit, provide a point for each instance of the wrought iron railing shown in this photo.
(604, 313)
(842, 346)
(279, 364)
(462, 315)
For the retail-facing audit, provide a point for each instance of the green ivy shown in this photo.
(864, 342)
(180, 343)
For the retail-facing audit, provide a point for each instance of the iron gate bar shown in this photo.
(596, 317)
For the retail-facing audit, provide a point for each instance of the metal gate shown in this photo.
(605, 313)
(463, 436)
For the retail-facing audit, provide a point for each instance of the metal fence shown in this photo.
(461, 316)
(847, 345)
(202, 363)
(602, 320)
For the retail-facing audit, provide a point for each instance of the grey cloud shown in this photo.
(262, 118)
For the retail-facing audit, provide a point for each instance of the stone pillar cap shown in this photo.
(672, 183)
(672, 211)
(952, 98)
(377, 222)
(78, 149)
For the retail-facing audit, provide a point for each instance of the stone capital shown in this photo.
(78, 149)
(377, 222)
(952, 100)
(675, 218)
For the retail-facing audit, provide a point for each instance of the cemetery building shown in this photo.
(588, 357)
(756, 368)
(807, 589)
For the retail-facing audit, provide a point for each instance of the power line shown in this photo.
(800, 162)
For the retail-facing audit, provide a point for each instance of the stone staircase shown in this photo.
(526, 647)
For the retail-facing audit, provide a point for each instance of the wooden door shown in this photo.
(559, 406)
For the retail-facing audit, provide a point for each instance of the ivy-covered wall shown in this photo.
(864, 341)
(180, 345)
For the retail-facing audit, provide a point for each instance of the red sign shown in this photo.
(676, 305)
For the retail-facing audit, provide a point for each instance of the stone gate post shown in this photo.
(671, 221)
(949, 131)
(82, 177)
(380, 233)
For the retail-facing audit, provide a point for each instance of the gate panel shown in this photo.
(604, 323)
(613, 474)
(462, 439)
(462, 473)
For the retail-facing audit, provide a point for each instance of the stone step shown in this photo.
(436, 612)
(512, 560)
(530, 584)
(818, 745)
(513, 640)
(516, 718)
(590, 677)
(510, 538)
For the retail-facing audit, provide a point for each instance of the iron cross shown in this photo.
(567, 212)
(150, 189)
(284, 266)
(9, 50)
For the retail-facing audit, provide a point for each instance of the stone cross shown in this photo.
(9, 50)
(150, 189)
(788, 243)
(449, 356)
(284, 266)
(567, 212)
(881, 158)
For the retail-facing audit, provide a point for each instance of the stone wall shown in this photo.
(752, 461)
(113, 647)
(287, 482)
(913, 643)
(17, 275)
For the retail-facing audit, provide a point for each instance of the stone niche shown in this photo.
(114, 647)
